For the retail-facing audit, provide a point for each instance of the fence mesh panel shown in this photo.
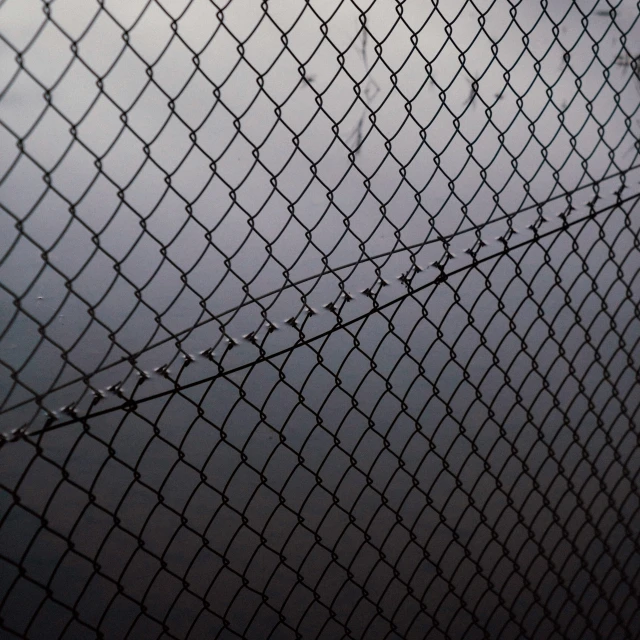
(319, 319)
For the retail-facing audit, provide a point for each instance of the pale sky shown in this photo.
(267, 157)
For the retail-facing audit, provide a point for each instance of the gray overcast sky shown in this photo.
(304, 186)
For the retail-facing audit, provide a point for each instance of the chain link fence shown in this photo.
(319, 319)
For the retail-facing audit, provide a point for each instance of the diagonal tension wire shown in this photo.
(376, 308)
(363, 259)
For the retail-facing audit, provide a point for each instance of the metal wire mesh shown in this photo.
(319, 319)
